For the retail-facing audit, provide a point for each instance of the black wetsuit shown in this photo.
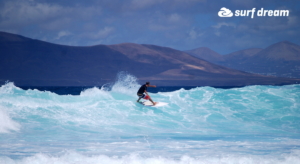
(142, 90)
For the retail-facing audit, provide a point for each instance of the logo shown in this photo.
(224, 12)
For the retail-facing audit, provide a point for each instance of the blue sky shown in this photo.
(179, 24)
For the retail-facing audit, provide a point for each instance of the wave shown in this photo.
(199, 125)
(202, 110)
(6, 123)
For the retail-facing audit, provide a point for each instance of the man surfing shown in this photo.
(142, 92)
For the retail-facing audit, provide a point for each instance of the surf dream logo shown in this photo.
(224, 12)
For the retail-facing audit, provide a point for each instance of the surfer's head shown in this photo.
(147, 83)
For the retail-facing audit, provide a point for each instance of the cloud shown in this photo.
(174, 17)
(16, 14)
(219, 25)
(195, 33)
(104, 32)
(165, 22)
(63, 34)
(100, 34)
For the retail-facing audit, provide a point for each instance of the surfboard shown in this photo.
(148, 103)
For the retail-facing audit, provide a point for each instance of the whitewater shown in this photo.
(252, 124)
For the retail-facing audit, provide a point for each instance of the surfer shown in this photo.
(142, 92)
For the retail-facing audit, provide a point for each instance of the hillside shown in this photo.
(281, 59)
(206, 54)
(32, 62)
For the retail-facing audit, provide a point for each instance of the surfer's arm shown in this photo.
(146, 92)
(154, 86)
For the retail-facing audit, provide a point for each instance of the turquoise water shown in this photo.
(253, 124)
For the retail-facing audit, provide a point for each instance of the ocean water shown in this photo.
(253, 124)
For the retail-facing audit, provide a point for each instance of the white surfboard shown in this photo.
(158, 104)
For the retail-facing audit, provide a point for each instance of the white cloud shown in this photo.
(104, 32)
(63, 34)
(194, 34)
(219, 25)
(100, 34)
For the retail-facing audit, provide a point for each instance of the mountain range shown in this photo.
(30, 62)
(280, 59)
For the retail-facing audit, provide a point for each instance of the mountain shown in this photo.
(285, 50)
(237, 59)
(281, 59)
(242, 55)
(171, 60)
(206, 54)
(32, 62)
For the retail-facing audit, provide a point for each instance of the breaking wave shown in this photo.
(254, 124)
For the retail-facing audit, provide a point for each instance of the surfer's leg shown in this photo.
(152, 101)
(140, 96)
(138, 100)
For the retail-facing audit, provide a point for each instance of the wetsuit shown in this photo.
(141, 91)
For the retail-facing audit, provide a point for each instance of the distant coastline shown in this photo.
(29, 62)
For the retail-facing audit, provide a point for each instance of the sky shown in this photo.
(179, 24)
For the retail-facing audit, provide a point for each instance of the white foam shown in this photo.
(6, 123)
(96, 92)
(134, 158)
(7, 88)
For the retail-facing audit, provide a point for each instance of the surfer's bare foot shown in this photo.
(154, 103)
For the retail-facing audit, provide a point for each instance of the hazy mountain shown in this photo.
(280, 59)
(285, 50)
(206, 54)
(242, 55)
(32, 62)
